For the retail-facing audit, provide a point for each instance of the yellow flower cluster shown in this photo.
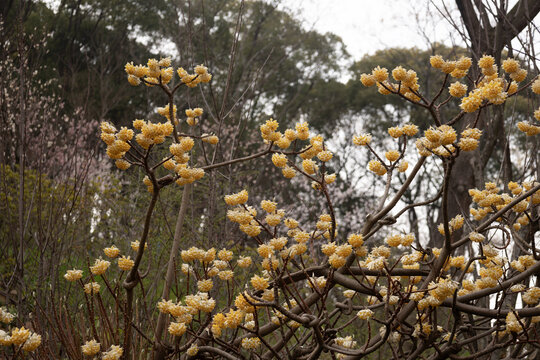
(237, 199)
(489, 275)
(528, 128)
(259, 283)
(346, 342)
(99, 267)
(154, 73)
(457, 69)
(405, 130)
(438, 141)
(489, 200)
(28, 340)
(407, 82)
(178, 164)
(233, 319)
(399, 239)
(244, 303)
(136, 244)
(362, 139)
(356, 240)
(317, 283)
(376, 260)
(246, 219)
(315, 149)
(517, 288)
(73, 275)
(469, 139)
(205, 285)
(115, 352)
(125, 263)
(218, 324)
(422, 329)
(32, 343)
(439, 291)
(531, 296)
(183, 314)
(492, 88)
(194, 253)
(412, 258)
(454, 224)
(200, 302)
(269, 133)
(512, 323)
(512, 67)
(163, 111)
(92, 288)
(5, 338)
(5, 316)
(457, 89)
(193, 350)
(112, 251)
(210, 139)
(90, 348)
(117, 142)
(377, 167)
(244, 261)
(177, 329)
(476, 237)
(160, 72)
(392, 155)
(523, 263)
(251, 343)
(365, 314)
(201, 74)
(193, 115)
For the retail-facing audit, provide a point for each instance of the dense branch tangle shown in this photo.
(311, 286)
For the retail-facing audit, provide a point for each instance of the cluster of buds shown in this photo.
(454, 224)
(200, 75)
(193, 116)
(117, 143)
(439, 291)
(154, 73)
(492, 88)
(183, 314)
(438, 141)
(179, 162)
(399, 239)
(523, 263)
(392, 156)
(456, 69)
(315, 149)
(407, 82)
(120, 142)
(512, 323)
(469, 139)
(160, 72)
(100, 266)
(19, 338)
(490, 200)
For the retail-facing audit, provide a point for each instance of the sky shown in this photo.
(369, 25)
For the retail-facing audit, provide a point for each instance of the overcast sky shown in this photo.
(369, 25)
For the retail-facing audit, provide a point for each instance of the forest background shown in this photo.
(62, 63)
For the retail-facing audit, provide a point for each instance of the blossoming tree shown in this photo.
(309, 283)
(310, 290)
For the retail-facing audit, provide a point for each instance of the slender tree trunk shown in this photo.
(160, 350)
